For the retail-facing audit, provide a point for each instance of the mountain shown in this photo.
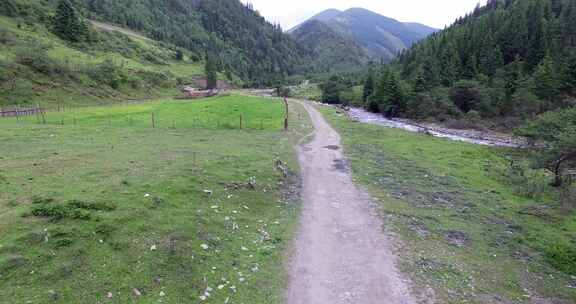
(330, 50)
(380, 37)
(326, 15)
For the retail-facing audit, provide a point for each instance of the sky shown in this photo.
(435, 13)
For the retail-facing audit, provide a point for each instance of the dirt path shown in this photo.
(341, 255)
(113, 28)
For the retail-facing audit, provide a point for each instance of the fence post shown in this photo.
(153, 121)
(43, 114)
(240, 121)
(286, 115)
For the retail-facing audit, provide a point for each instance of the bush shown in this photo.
(470, 95)
(526, 181)
(90, 206)
(60, 212)
(562, 257)
(108, 73)
(74, 209)
(38, 60)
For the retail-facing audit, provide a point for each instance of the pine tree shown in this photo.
(68, 25)
(451, 64)
(569, 74)
(547, 83)
(368, 86)
(8, 8)
(536, 42)
(211, 72)
(388, 98)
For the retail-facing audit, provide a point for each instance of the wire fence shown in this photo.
(152, 120)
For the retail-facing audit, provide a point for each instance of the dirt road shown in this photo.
(342, 254)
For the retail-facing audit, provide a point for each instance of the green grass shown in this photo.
(222, 112)
(464, 228)
(92, 209)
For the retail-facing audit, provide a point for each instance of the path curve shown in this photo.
(342, 255)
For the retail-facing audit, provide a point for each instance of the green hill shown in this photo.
(38, 67)
(331, 50)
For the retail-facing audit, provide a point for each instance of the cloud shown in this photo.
(435, 13)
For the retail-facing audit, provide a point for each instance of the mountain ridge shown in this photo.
(381, 37)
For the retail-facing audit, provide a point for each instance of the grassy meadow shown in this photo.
(99, 212)
(222, 112)
(466, 231)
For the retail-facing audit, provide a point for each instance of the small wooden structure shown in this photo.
(193, 93)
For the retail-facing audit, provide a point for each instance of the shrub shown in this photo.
(38, 60)
(468, 95)
(90, 206)
(526, 181)
(108, 73)
(74, 209)
(60, 212)
(562, 257)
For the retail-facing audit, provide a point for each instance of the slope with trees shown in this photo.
(330, 50)
(513, 59)
(62, 59)
(242, 41)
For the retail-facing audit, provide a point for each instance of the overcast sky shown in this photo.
(435, 13)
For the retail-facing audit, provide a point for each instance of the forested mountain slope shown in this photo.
(331, 50)
(512, 58)
(381, 37)
(242, 41)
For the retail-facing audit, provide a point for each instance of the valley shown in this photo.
(196, 151)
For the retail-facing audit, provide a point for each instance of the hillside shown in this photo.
(381, 37)
(331, 50)
(36, 66)
(242, 42)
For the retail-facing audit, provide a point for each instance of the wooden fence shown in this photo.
(20, 112)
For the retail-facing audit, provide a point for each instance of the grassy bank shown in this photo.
(466, 231)
(93, 213)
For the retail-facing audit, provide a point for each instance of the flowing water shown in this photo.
(473, 137)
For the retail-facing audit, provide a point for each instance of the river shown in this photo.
(469, 136)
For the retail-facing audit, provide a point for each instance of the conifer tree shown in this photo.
(547, 82)
(68, 24)
(210, 70)
(368, 86)
(8, 8)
